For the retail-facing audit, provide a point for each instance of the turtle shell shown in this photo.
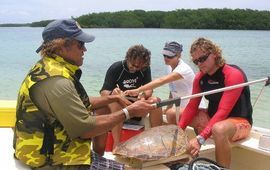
(154, 144)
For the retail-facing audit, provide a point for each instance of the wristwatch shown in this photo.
(200, 139)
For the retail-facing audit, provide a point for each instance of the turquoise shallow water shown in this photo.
(248, 49)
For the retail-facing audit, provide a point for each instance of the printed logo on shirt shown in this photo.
(130, 83)
(212, 82)
(201, 82)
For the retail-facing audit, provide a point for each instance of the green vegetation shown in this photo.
(40, 23)
(242, 19)
(15, 25)
(182, 18)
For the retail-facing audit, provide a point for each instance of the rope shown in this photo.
(212, 164)
(259, 95)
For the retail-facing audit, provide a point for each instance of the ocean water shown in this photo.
(248, 49)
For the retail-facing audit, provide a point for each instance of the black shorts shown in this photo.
(101, 163)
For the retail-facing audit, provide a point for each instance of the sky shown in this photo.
(27, 11)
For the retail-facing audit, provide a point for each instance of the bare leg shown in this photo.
(155, 116)
(99, 142)
(116, 131)
(170, 115)
(222, 133)
(116, 134)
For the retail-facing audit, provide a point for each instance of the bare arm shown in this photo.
(155, 83)
(98, 102)
(160, 81)
(106, 122)
(105, 92)
(146, 94)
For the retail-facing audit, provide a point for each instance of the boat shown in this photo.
(252, 153)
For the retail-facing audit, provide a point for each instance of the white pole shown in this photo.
(223, 89)
(178, 99)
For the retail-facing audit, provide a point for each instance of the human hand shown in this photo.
(140, 108)
(141, 96)
(194, 147)
(123, 101)
(133, 92)
(118, 91)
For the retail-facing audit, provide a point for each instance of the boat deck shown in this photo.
(250, 153)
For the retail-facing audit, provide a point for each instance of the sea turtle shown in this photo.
(154, 144)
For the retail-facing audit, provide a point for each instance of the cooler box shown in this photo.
(125, 135)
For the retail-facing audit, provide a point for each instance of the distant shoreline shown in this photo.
(15, 25)
(219, 19)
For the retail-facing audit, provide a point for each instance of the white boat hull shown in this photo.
(246, 154)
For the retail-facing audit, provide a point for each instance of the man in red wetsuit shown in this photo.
(229, 114)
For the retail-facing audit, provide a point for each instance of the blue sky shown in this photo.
(24, 11)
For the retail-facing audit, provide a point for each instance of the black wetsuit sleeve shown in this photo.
(111, 77)
(147, 75)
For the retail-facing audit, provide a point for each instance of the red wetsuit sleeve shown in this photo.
(229, 98)
(192, 108)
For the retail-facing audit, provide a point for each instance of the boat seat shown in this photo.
(256, 142)
(7, 151)
(7, 113)
(7, 122)
(251, 143)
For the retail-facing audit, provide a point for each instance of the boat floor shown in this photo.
(246, 154)
(8, 161)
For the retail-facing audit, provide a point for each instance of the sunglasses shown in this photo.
(80, 44)
(169, 57)
(201, 59)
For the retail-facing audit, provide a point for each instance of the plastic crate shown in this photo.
(125, 135)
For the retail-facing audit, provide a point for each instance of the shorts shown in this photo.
(133, 121)
(101, 163)
(98, 163)
(243, 128)
(242, 125)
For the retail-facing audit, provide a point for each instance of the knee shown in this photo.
(218, 130)
(171, 116)
(170, 112)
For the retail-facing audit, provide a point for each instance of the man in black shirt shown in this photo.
(128, 74)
